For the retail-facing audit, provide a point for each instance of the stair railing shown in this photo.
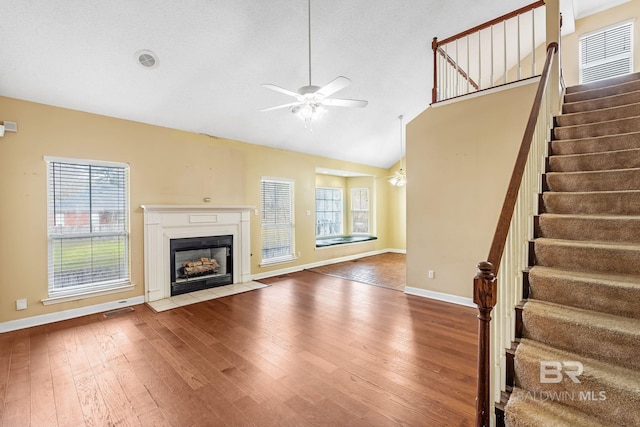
(499, 282)
(497, 52)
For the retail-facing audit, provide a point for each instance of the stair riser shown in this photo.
(592, 203)
(615, 113)
(597, 259)
(625, 159)
(586, 294)
(598, 129)
(631, 86)
(595, 181)
(596, 145)
(625, 229)
(614, 81)
(603, 409)
(598, 104)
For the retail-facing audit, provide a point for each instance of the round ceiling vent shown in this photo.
(147, 59)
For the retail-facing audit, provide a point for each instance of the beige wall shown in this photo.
(398, 212)
(459, 160)
(615, 15)
(167, 167)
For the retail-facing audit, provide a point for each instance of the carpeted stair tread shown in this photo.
(618, 159)
(615, 89)
(613, 81)
(528, 409)
(599, 228)
(602, 336)
(622, 258)
(593, 202)
(602, 180)
(600, 103)
(608, 127)
(615, 294)
(622, 141)
(621, 403)
(596, 116)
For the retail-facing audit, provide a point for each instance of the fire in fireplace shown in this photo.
(200, 263)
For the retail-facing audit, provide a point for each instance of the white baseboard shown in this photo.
(454, 299)
(27, 322)
(282, 271)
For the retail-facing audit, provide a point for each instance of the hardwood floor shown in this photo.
(388, 270)
(309, 350)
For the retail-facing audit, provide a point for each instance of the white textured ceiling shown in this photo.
(215, 54)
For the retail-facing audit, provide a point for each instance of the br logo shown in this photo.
(553, 371)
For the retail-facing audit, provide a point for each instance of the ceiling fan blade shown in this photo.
(282, 90)
(333, 86)
(353, 103)
(277, 107)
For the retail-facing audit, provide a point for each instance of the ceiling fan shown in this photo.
(311, 100)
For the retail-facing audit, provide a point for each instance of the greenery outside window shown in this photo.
(360, 210)
(329, 212)
(88, 226)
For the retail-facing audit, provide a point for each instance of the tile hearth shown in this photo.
(204, 295)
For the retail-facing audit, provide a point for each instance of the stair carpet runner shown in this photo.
(578, 360)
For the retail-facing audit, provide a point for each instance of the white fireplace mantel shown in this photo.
(165, 222)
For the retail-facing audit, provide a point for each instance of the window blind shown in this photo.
(277, 220)
(360, 210)
(328, 211)
(87, 226)
(606, 53)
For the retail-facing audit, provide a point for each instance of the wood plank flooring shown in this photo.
(309, 350)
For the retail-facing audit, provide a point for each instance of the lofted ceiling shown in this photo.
(215, 54)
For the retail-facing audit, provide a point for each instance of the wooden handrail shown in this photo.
(485, 283)
(500, 235)
(460, 71)
(495, 21)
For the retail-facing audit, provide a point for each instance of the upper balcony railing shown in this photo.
(495, 53)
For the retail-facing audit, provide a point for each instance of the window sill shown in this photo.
(343, 240)
(278, 261)
(57, 299)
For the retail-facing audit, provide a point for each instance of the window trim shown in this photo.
(368, 210)
(72, 293)
(342, 221)
(284, 258)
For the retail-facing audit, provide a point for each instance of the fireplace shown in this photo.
(200, 263)
(197, 234)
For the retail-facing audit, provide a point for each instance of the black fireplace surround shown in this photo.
(192, 250)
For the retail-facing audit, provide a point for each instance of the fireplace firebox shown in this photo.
(200, 263)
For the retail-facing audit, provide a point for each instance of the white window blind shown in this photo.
(277, 220)
(328, 211)
(606, 53)
(360, 210)
(87, 226)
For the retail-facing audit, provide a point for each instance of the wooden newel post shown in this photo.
(485, 292)
(434, 91)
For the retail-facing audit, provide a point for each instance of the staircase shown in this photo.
(583, 289)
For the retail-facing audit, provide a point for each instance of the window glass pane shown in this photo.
(277, 220)
(88, 230)
(606, 54)
(360, 210)
(328, 211)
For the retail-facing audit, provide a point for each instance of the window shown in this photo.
(277, 220)
(606, 53)
(328, 211)
(88, 226)
(360, 210)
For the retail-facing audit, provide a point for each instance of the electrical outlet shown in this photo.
(431, 274)
(299, 254)
(21, 304)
